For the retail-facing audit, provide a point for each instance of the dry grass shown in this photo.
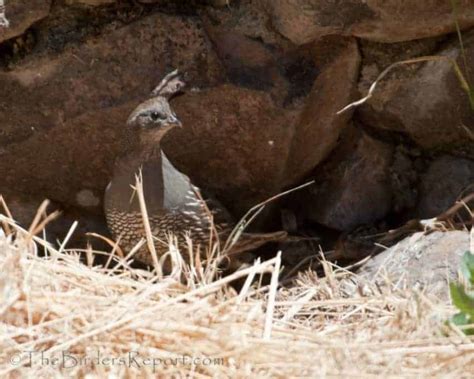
(56, 312)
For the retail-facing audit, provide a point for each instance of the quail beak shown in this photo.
(173, 120)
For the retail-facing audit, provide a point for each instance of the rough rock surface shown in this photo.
(354, 187)
(24, 208)
(22, 14)
(249, 63)
(272, 127)
(303, 21)
(90, 2)
(265, 83)
(250, 20)
(427, 104)
(420, 261)
(319, 127)
(447, 179)
(238, 138)
(235, 141)
(65, 128)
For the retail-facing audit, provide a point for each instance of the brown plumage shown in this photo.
(174, 204)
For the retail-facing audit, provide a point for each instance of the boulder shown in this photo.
(426, 262)
(21, 14)
(447, 179)
(249, 63)
(319, 127)
(353, 187)
(91, 2)
(62, 116)
(220, 3)
(24, 208)
(249, 19)
(407, 167)
(257, 117)
(274, 124)
(426, 101)
(235, 142)
(303, 21)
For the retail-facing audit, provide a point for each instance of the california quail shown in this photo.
(174, 204)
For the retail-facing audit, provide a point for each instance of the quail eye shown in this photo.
(155, 116)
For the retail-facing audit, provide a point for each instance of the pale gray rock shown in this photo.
(425, 262)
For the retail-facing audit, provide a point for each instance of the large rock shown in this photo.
(303, 21)
(235, 141)
(21, 14)
(319, 127)
(256, 118)
(300, 81)
(272, 126)
(250, 63)
(353, 188)
(62, 117)
(427, 104)
(426, 262)
(249, 19)
(90, 2)
(23, 209)
(278, 117)
(447, 179)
